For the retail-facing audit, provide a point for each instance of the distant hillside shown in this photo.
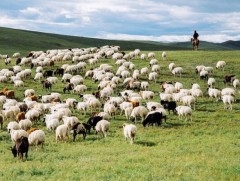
(13, 40)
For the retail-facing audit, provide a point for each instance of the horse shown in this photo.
(195, 43)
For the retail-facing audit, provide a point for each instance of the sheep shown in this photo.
(110, 109)
(52, 124)
(20, 116)
(228, 91)
(177, 70)
(171, 66)
(154, 117)
(62, 132)
(164, 55)
(184, 111)
(211, 82)
(189, 101)
(151, 55)
(151, 105)
(136, 74)
(82, 106)
(195, 86)
(227, 100)
(156, 68)
(178, 86)
(38, 76)
(80, 89)
(143, 56)
(70, 121)
(21, 146)
(236, 83)
(153, 62)
(153, 76)
(25, 124)
(16, 134)
(33, 115)
(29, 92)
(129, 131)
(147, 95)
(103, 127)
(138, 111)
(12, 125)
(166, 96)
(79, 128)
(8, 114)
(203, 74)
(144, 85)
(214, 93)
(71, 102)
(37, 137)
(221, 65)
(229, 78)
(196, 93)
(144, 71)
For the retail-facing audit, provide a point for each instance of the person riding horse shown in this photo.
(195, 40)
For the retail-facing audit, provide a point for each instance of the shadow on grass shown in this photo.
(145, 143)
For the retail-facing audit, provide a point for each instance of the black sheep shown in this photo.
(92, 121)
(79, 128)
(153, 118)
(21, 147)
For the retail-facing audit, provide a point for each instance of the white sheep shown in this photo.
(214, 93)
(25, 124)
(80, 89)
(29, 92)
(227, 101)
(16, 134)
(144, 71)
(82, 106)
(12, 125)
(153, 62)
(62, 132)
(129, 131)
(189, 101)
(110, 109)
(52, 124)
(236, 83)
(147, 95)
(221, 64)
(184, 111)
(103, 127)
(153, 76)
(38, 76)
(151, 55)
(144, 85)
(228, 91)
(166, 96)
(164, 55)
(211, 82)
(36, 137)
(177, 70)
(196, 93)
(143, 56)
(171, 66)
(70, 121)
(156, 68)
(140, 111)
(151, 105)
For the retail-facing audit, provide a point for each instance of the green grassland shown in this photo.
(205, 149)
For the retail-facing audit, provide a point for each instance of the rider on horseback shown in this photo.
(195, 36)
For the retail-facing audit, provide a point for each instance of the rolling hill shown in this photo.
(12, 40)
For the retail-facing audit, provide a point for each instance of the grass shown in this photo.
(205, 149)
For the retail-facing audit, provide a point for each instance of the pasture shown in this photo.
(206, 148)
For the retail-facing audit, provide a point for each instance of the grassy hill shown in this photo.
(13, 40)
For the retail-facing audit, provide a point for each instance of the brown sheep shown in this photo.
(31, 130)
(9, 94)
(20, 116)
(33, 97)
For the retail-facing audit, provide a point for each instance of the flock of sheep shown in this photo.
(80, 64)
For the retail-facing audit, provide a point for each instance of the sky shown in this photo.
(155, 20)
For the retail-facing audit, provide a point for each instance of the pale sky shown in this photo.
(157, 20)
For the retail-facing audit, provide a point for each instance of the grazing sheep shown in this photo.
(92, 121)
(13, 125)
(79, 128)
(171, 66)
(214, 93)
(129, 131)
(147, 95)
(16, 134)
(52, 124)
(177, 70)
(153, 118)
(189, 101)
(103, 127)
(227, 101)
(37, 137)
(221, 65)
(62, 132)
(164, 55)
(203, 74)
(153, 76)
(229, 79)
(236, 83)
(25, 124)
(184, 111)
(140, 111)
(21, 146)
(211, 82)
(228, 91)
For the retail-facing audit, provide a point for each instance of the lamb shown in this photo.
(227, 100)
(221, 65)
(62, 132)
(129, 131)
(184, 111)
(25, 124)
(138, 111)
(37, 137)
(103, 127)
